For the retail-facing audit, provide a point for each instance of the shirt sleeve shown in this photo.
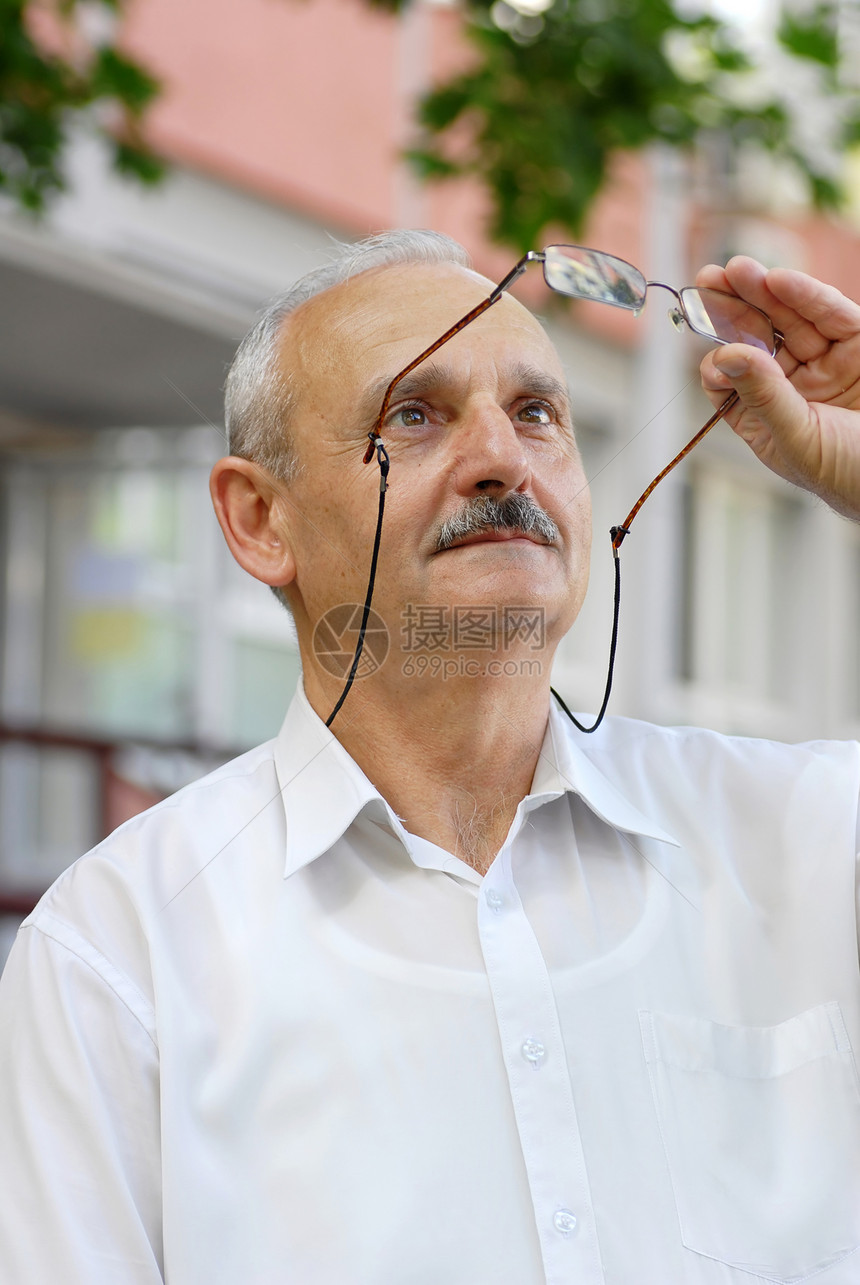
(80, 1199)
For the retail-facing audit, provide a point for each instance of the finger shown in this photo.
(717, 382)
(763, 389)
(750, 280)
(833, 314)
(714, 277)
(741, 276)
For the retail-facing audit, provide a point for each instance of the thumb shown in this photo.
(763, 389)
(774, 419)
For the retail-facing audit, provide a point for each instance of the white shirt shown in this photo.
(263, 1036)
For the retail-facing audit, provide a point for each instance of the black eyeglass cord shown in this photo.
(615, 532)
(384, 465)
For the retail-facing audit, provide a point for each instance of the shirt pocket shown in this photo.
(761, 1127)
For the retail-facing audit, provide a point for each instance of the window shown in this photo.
(740, 596)
(124, 619)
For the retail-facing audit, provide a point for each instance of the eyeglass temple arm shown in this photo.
(533, 256)
(428, 352)
(497, 293)
(619, 532)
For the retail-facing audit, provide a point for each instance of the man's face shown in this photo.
(486, 416)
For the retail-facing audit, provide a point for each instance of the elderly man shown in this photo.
(448, 992)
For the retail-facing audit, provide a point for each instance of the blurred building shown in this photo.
(132, 652)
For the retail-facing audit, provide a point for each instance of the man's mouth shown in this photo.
(494, 536)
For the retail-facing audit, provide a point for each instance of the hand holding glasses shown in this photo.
(582, 273)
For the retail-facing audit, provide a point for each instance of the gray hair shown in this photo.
(259, 396)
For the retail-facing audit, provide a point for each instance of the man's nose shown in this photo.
(490, 453)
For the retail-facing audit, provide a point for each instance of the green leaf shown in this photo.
(826, 193)
(428, 164)
(549, 100)
(813, 35)
(138, 162)
(114, 76)
(40, 93)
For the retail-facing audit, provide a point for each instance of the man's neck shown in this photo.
(453, 759)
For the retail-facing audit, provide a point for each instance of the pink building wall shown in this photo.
(290, 99)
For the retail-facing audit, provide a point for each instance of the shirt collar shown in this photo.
(565, 764)
(324, 789)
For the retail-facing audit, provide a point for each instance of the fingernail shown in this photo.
(732, 366)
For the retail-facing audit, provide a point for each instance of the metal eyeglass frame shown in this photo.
(582, 273)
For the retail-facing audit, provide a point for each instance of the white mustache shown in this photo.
(483, 513)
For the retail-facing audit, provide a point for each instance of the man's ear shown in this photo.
(248, 505)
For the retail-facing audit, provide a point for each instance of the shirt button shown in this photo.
(495, 901)
(533, 1052)
(564, 1222)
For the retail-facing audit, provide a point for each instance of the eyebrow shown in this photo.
(431, 376)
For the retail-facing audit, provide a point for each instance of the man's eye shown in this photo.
(409, 417)
(535, 413)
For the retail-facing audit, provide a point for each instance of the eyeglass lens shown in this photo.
(591, 274)
(726, 319)
(581, 273)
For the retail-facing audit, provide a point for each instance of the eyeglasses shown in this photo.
(582, 273)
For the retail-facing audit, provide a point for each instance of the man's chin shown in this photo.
(533, 574)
